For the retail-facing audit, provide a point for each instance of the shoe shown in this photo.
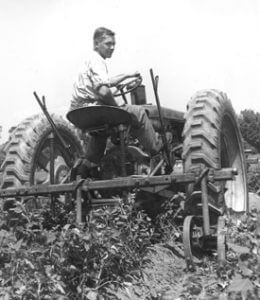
(139, 155)
(157, 163)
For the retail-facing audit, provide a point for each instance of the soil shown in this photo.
(166, 277)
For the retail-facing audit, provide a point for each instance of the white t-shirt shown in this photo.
(94, 74)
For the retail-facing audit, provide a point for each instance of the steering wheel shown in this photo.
(125, 88)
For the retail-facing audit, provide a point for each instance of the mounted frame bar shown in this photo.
(121, 182)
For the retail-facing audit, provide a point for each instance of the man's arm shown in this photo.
(106, 96)
(105, 92)
(114, 81)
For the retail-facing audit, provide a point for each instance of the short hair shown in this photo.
(100, 34)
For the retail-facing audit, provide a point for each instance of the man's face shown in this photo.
(106, 47)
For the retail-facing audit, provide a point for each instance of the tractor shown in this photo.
(203, 158)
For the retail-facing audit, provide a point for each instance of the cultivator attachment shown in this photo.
(199, 236)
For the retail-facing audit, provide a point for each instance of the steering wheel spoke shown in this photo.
(126, 87)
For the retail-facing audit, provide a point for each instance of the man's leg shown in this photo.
(96, 147)
(143, 129)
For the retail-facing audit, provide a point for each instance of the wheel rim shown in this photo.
(230, 157)
(40, 172)
(191, 241)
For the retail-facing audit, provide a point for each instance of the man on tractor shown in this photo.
(93, 88)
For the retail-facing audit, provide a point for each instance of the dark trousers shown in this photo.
(141, 129)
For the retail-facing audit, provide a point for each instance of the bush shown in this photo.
(250, 127)
(253, 182)
(71, 260)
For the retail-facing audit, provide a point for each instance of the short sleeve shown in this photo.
(98, 71)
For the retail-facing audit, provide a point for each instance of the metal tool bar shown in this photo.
(144, 181)
(205, 206)
(222, 174)
(79, 204)
(39, 190)
(137, 182)
(122, 182)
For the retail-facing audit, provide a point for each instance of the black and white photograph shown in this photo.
(130, 150)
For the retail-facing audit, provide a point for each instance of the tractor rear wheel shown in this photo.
(27, 159)
(212, 139)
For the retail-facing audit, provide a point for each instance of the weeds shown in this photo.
(45, 255)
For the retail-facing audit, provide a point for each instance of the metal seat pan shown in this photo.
(92, 117)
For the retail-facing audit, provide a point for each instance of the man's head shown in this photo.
(104, 42)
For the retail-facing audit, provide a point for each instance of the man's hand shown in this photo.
(116, 80)
(106, 97)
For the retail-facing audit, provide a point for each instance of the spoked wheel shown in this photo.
(41, 165)
(28, 152)
(221, 241)
(192, 235)
(127, 86)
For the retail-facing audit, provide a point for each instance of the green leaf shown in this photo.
(240, 285)
(238, 249)
(29, 264)
(17, 245)
(245, 271)
(51, 237)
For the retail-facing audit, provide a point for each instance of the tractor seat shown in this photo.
(92, 118)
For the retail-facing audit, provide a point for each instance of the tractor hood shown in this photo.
(167, 113)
